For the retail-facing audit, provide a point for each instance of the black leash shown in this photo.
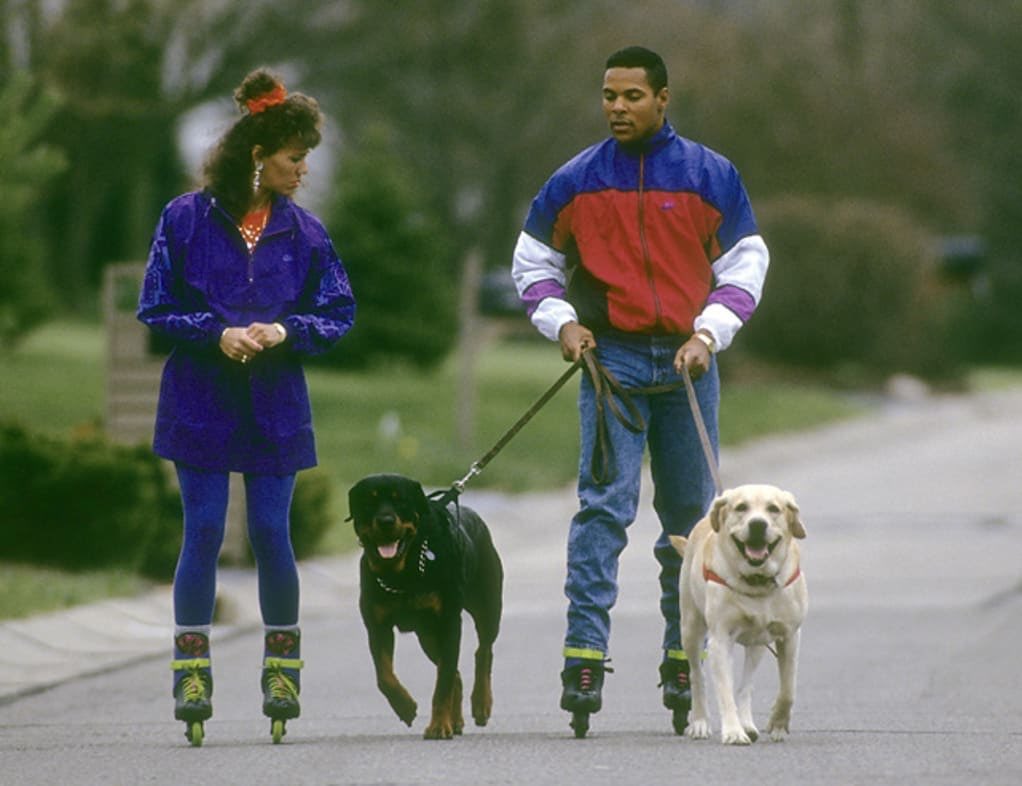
(458, 486)
(612, 397)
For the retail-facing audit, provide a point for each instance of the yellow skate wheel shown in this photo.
(277, 730)
(194, 733)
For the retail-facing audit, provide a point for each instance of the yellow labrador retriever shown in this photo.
(741, 582)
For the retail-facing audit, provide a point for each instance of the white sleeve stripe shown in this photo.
(535, 261)
(744, 266)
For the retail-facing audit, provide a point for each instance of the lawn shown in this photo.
(403, 419)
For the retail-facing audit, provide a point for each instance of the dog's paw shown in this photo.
(698, 729)
(778, 735)
(405, 707)
(752, 732)
(734, 736)
(482, 706)
(780, 721)
(778, 730)
(439, 729)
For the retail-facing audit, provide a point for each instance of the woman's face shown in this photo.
(283, 171)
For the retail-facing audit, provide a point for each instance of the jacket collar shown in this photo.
(648, 146)
(280, 211)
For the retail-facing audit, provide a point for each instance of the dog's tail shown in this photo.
(679, 543)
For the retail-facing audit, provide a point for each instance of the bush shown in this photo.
(310, 511)
(85, 503)
(852, 287)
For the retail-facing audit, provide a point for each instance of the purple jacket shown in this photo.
(215, 413)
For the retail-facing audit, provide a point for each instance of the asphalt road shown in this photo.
(909, 666)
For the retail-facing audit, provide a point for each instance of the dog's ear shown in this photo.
(353, 497)
(716, 511)
(419, 498)
(798, 529)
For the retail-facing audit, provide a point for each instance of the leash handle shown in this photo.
(704, 437)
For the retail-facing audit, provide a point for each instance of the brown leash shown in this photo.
(605, 384)
(704, 437)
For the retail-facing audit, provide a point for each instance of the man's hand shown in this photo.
(695, 355)
(575, 339)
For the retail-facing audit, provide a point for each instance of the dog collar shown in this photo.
(425, 556)
(709, 575)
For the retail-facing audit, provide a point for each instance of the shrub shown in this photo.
(852, 286)
(84, 503)
(310, 511)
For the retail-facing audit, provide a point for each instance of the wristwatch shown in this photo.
(708, 340)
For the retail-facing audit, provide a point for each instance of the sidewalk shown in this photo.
(42, 651)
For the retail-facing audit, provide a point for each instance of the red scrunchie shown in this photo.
(266, 100)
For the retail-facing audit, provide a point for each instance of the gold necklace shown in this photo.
(253, 224)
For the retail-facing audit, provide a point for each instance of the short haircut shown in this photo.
(640, 57)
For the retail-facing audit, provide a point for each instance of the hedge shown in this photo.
(87, 503)
(852, 286)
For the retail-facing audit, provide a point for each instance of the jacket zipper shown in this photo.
(646, 258)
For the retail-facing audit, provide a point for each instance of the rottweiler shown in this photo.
(422, 563)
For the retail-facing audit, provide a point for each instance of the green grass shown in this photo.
(397, 419)
(27, 589)
(53, 381)
(403, 419)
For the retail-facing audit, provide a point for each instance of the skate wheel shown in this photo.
(194, 733)
(580, 723)
(679, 719)
(277, 730)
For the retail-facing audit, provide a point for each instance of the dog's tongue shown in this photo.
(756, 555)
(387, 550)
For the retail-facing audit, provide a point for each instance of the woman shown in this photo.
(244, 283)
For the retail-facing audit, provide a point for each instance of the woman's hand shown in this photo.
(237, 344)
(267, 335)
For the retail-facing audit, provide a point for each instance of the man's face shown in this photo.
(633, 111)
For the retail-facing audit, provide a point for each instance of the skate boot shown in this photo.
(677, 696)
(582, 693)
(280, 680)
(193, 683)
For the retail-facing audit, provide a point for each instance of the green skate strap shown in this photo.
(283, 663)
(191, 663)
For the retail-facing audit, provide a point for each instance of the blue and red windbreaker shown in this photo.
(660, 240)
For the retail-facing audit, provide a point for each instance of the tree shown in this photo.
(398, 258)
(26, 166)
(127, 70)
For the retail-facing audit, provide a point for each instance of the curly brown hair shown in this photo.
(294, 121)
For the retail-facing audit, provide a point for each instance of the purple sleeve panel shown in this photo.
(735, 299)
(540, 291)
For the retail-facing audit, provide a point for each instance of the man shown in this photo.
(644, 249)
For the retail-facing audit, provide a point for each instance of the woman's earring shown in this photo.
(255, 178)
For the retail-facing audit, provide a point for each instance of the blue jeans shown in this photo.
(268, 504)
(682, 481)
